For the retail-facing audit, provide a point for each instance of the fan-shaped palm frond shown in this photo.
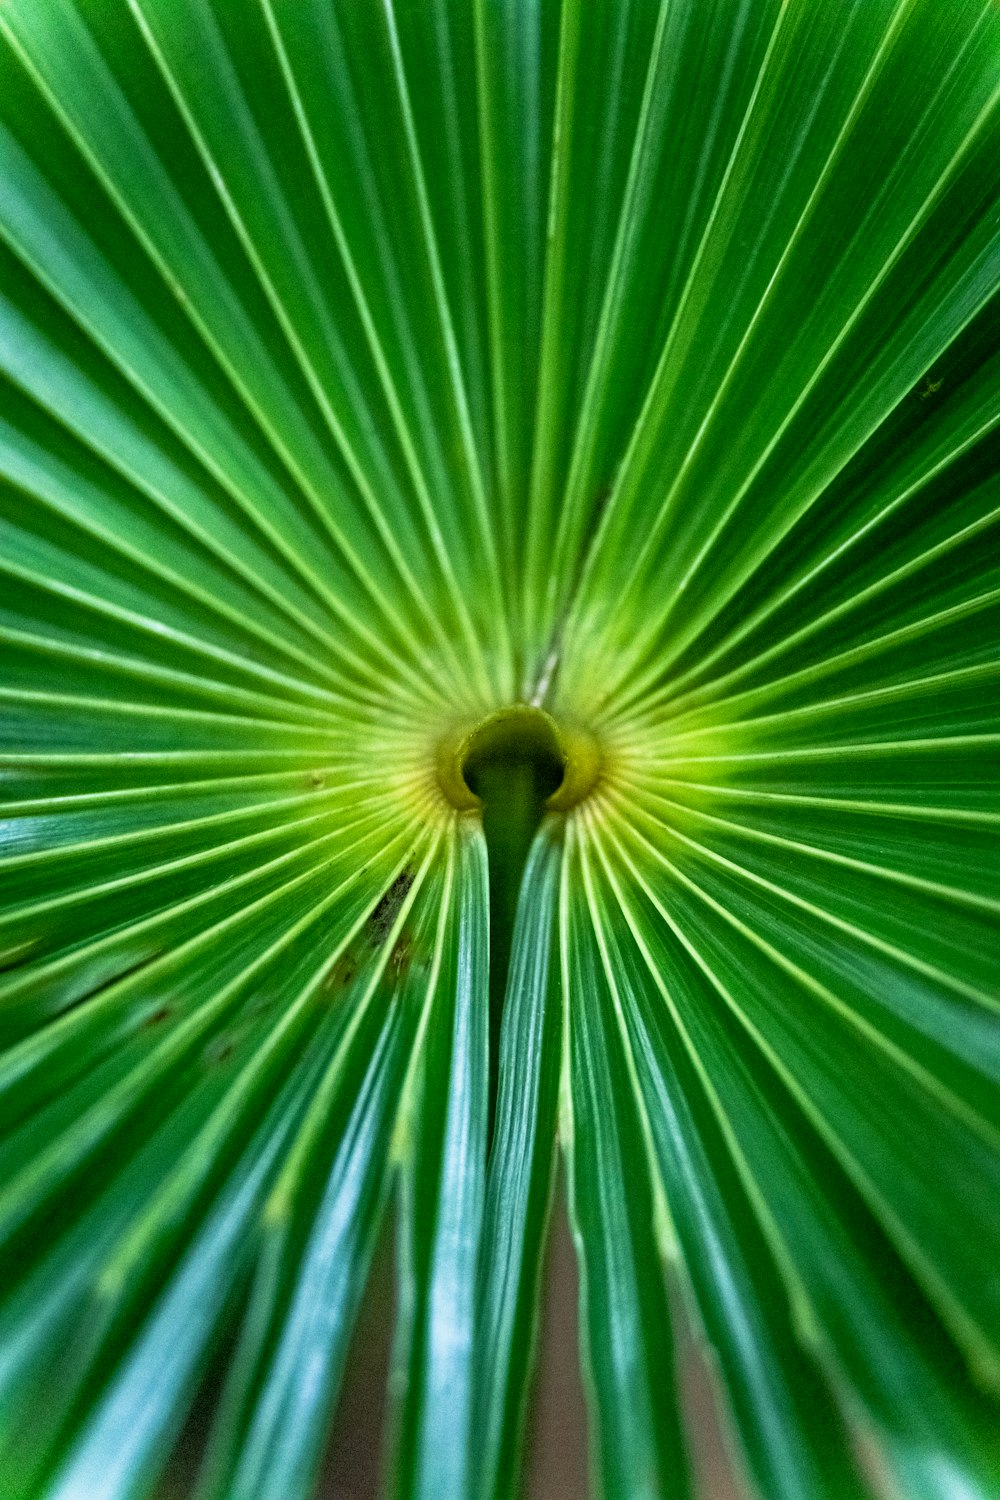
(586, 412)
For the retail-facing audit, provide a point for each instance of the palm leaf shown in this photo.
(498, 525)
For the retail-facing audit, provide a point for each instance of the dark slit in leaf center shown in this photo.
(514, 764)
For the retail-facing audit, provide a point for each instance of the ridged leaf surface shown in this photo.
(367, 369)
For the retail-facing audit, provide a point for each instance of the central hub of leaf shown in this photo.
(515, 753)
(519, 752)
(514, 764)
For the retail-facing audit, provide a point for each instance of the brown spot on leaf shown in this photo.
(380, 922)
(402, 956)
(158, 1016)
(341, 972)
